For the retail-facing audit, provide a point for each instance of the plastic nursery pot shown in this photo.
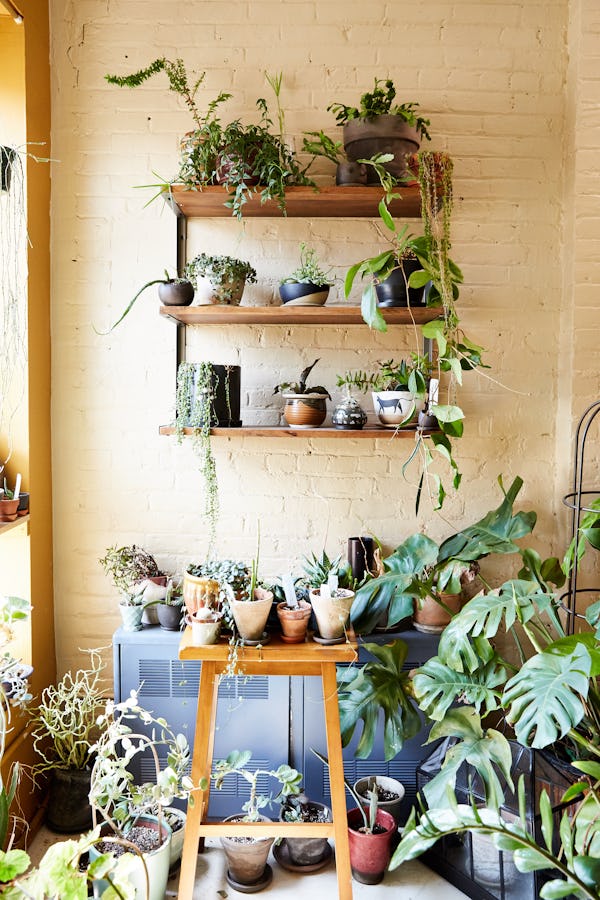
(305, 410)
(68, 810)
(385, 786)
(247, 860)
(157, 863)
(332, 613)
(298, 293)
(370, 853)
(293, 621)
(431, 617)
(251, 616)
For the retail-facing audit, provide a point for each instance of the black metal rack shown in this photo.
(578, 501)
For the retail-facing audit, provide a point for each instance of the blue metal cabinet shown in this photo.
(252, 713)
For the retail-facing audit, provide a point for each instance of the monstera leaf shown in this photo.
(393, 594)
(437, 687)
(545, 699)
(381, 684)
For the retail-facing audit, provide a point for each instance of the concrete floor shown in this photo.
(412, 881)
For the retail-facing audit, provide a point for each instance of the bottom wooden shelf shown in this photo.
(283, 431)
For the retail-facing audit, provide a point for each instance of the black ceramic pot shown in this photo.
(392, 291)
(303, 294)
(7, 158)
(176, 293)
(226, 383)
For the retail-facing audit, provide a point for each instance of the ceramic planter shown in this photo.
(23, 507)
(370, 853)
(68, 810)
(131, 616)
(396, 409)
(332, 613)
(393, 291)
(247, 860)
(349, 415)
(251, 616)
(204, 631)
(430, 617)
(157, 864)
(224, 293)
(177, 834)
(200, 592)
(394, 807)
(297, 293)
(293, 622)
(169, 616)
(176, 293)
(349, 174)
(309, 851)
(363, 138)
(305, 410)
(225, 385)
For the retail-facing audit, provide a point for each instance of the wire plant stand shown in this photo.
(578, 500)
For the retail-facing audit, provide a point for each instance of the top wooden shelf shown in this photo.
(216, 314)
(301, 202)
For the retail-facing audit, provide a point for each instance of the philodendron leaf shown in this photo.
(381, 684)
(437, 687)
(545, 698)
(487, 751)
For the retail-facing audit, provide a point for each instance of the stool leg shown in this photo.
(336, 781)
(201, 767)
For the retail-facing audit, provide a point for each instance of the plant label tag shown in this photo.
(288, 588)
(325, 592)
(434, 385)
(332, 582)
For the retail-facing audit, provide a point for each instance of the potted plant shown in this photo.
(348, 172)
(171, 292)
(247, 857)
(305, 407)
(226, 275)
(293, 611)
(331, 596)
(370, 834)
(64, 729)
(303, 853)
(135, 812)
(129, 568)
(170, 610)
(9, 504)
(309, 284)
(379, 125)
(251, 607)
(390, 793)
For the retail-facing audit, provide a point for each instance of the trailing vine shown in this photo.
(196, 386)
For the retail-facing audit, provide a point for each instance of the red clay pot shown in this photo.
(370, 853)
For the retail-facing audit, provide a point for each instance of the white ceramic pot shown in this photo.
(157, 865)
(177, 836)
(396, 409)
(204, 631)
(362, 787)
(332, 613)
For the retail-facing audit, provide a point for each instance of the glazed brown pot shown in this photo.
(363, 138)
(305, 410)
(199, 591)
(294, 622)
(431, 617)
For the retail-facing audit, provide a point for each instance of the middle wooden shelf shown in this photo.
(216, 314)
(284, 431)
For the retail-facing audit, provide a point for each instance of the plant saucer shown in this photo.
(255, 886)
(264, 640)
(327, 641)
(281, 852)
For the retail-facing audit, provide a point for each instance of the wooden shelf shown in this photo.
(306, 202)
(7, 526)
(283, 431)
(215, 314)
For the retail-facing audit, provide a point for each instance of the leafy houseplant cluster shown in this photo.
(240, 157)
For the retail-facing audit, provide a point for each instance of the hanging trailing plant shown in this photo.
(195, 409)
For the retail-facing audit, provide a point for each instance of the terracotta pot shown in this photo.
(294, 622)
(370, 853)
(394, 807)
(305, 410)
(8, 510)
(332, 613)
(199, 592)
(251, 616)
(246, 860)
(430, 617)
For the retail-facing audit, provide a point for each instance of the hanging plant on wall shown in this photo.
(207, 395)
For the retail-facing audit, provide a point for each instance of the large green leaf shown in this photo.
(545, 699)
(495, 533)
(437, 687)
(381, 684)
(487, 751)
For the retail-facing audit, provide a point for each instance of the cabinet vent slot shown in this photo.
(256, 688)
(154, 678)
(185, 678)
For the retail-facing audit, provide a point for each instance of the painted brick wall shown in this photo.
(496, 81)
